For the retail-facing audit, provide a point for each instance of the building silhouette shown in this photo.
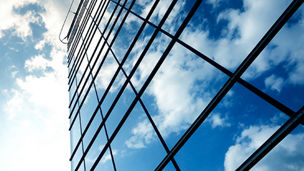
(109, 43)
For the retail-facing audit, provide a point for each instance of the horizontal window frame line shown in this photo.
(96, 74)
(275, 28)
(102, 117)
(96, 110)
(274, 102)
(79, 17)
(152, 74)
(82, 147)
(83, 76)
(80, 128)
(145, 110)
(80, 29)
(95, 62)
(273, 141)
(116, 73)
(87, 38)
(72, 23)
(85, 46)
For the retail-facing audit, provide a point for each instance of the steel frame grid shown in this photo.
(84, 46)
(102, 117)
(140, 101)
(296, 118)
(95, 62)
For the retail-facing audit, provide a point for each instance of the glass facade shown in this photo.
(151, 88)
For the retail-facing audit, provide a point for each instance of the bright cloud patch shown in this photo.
(35, 110)
(287, 155)
(174, 87)
(38, 110)
(144, 134)
(176, 92)
(107, 157)
(36, 63)
(274, 83)
(12, 20)
(217, 120)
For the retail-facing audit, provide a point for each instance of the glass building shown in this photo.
(185, 85)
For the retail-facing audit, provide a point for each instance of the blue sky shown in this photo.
(33, 87)
(34, 97)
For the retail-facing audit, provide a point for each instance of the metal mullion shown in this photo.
(87, 47)
(155, 69)
(76, 26)
(249, 86)
(89, 43)
(77, 31)
(116, 73)
(116, 34)
(81, 19)
(80, 33)
(118, 15)
(107, 53)
(105, 128)
(72, 91)
(73, 21)
(99, 30)
(146, 111)
(80, 14)
(274, 140)
(90, 33)
(87, 36)
(148, 115)
(83, 75)
(75, 60)
(80, 127)
(64, 22)
(82, 147)
(232, 80)
(124, 59)
(94, 49)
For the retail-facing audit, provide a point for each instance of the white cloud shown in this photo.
(158, 12)
(40, 45)
(36, 63)
(278, 118)
(251, 24)
(274, 83)
(14, 73)
(10, 19)
(107, 157)
(144, 134)
(35, 120)
(106, 73)
(217, 120)
(53, 18)
(13, 106)
(288, 155)
(174, 87)
(214, 3)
